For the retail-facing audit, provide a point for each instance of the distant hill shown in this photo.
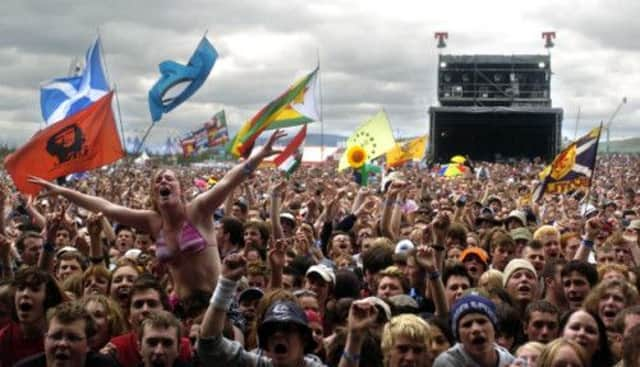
(631, 145)
(330, 140)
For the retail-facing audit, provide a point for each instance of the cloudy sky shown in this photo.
(373, 54)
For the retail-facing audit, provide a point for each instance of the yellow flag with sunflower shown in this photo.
(374, 136)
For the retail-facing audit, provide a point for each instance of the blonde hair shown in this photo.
(550, 352)
(395, 272)
(629, 293)
(546, 230)
(605, 268)
(494, 278)
(536, 346)
(116, 322)
(405, 325)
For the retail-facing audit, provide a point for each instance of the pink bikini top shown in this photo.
(190, 241)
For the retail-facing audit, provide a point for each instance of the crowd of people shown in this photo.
(146, 266)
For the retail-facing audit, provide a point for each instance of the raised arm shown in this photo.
(591, 228)
(38, 219)
(276, 192)
(6, 272)
(94, 226)
(426, 258)
(3, 199)
(213, 322)
(207, 202)
(362, 316)
(276, 261)
(140, 219)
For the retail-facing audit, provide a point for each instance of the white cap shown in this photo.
(325, 272)
(133, 254)
(404, 246)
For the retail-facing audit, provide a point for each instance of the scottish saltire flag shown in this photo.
(573, 168)
(63, 97)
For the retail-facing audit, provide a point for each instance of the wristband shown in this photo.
(223, 294)
(588, 244)
(434, 275)
(351, 358)
(49, 247)
(96, 259)
(247, 169)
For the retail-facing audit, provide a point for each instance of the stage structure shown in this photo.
(494, 107)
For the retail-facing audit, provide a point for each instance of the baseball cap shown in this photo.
(635, 224)
(518, 215)
(133, 254)
(285, 312)
(65, 250)
(288, 216)
(404, 246)
(521, 233)
(477, 251)
(382, 306)
(250, 294)
(325, 272)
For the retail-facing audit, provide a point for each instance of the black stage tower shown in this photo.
(494, 107)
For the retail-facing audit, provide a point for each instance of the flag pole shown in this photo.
(103, 56)
(115, 90)
(593, 172)
(322, 157)
(144, 138)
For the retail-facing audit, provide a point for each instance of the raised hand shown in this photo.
(267, 150)
(440, 226)
(54, 223)
(5, 247)
(277, 253)
(94, 225)
(592, 228)
(362, 316)
(426, 258)
(233, 267)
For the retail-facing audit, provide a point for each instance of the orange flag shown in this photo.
(81, 142)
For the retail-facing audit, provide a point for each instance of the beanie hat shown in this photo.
(472, 303)
(515, 265)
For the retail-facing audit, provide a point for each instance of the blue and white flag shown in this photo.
(63, 97)
(186, 79)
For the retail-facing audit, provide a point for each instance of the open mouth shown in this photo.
(609, 313)
(574, 299)
(123, 293)
(280, 349)
(164, 192)
(157, 362)
(25, 306)
(473, 269)
(61, 356)
(525, 288)
(478, 340)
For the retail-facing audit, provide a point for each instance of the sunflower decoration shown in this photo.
(356, 156)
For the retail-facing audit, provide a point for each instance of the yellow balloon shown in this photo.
(458, 159)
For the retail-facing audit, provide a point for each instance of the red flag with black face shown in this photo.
(84, 141)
